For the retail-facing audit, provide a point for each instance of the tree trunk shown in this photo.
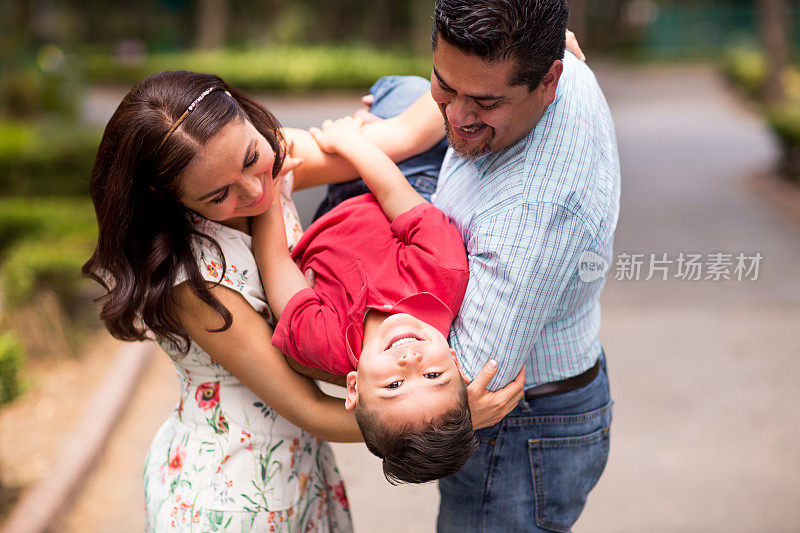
(775, 30)
(421, 26)
(378, 23)
(212, 23)
(577, 18)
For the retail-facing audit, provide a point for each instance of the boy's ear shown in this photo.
(351, 397)
(458, 366)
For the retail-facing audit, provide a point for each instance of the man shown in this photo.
(531, 179)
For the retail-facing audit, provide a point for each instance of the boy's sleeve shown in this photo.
(429, 235)
(310, 331)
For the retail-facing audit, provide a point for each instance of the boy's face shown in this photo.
(407, 372)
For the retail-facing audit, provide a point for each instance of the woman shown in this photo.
(183, 164)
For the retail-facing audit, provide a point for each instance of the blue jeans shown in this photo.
(533, 469)
(393, 94)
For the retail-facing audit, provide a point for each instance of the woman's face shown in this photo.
(231, 176)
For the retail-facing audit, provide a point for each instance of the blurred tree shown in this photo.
(577, 17)
(212, 23)
(775, 24)
(421, 26)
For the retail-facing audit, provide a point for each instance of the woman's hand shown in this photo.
(572, 44)
(488, 408)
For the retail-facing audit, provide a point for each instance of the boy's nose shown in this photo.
(405, 358)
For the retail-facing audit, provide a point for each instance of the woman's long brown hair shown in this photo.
(145, 238)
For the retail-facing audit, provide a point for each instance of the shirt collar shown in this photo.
(428, 308)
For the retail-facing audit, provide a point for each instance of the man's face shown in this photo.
(482, 112)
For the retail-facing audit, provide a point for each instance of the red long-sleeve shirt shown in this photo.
(415, 265)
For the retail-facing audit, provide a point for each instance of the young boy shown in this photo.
(391, 271)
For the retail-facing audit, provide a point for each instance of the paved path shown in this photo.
(703, 372)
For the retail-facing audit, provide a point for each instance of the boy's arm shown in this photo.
(316, 373)
(393, 192)
(280, 276)
(412, 132)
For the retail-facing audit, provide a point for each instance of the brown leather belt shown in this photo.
(565, 385)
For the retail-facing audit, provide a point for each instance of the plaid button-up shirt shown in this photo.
(538, 221)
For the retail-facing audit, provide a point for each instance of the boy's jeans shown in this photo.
(393, 94)
(533, 469)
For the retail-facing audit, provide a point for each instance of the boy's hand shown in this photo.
(489, 408)
(335, 135)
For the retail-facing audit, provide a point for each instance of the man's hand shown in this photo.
(488, 408)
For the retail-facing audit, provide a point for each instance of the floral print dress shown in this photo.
(224, 460)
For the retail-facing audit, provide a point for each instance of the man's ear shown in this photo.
(351, 397)
(550, 82)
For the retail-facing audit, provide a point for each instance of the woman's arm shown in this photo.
(412, 132)
(246, 351)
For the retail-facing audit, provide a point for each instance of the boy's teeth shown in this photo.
(404, 340)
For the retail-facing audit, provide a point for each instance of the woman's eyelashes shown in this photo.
(252, 160)
(221, 198)
(224, 195)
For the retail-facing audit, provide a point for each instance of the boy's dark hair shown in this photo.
(529, 31)
(417, 455)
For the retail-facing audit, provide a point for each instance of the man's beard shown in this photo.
(459, 145)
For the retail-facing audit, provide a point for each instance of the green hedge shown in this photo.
(44, 242)
(746, 68)
(281, 68)
(48, 159)
(10, 366)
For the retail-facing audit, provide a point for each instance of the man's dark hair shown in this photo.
(412, 454)
(529, 31)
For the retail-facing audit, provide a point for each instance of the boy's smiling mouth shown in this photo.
(402, 339)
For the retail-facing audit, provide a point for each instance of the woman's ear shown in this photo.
(351, 397)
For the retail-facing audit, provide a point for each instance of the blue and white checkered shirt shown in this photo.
(538, 221)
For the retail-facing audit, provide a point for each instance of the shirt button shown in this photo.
(433, 197)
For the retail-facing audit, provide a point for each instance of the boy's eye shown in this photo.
(394, 384)
(221, 198)
(433, 375)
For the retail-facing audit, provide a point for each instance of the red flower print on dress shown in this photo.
(340, 495)
(207, 395)
(176, 460)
